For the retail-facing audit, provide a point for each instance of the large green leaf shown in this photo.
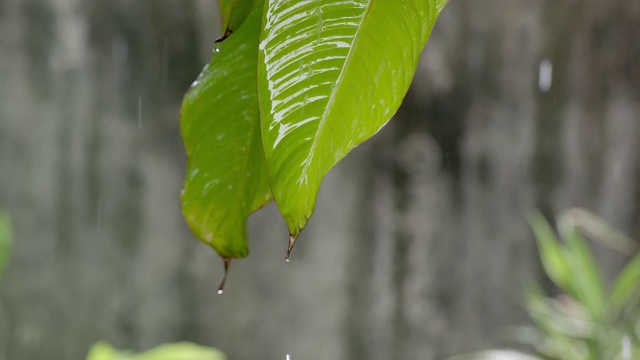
(226, 173)
(331, 74)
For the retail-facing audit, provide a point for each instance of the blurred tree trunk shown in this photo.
(418, 248)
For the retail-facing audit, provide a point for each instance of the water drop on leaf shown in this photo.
(227, 261)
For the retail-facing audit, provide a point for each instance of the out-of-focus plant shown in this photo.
(177, 351)
(5, 250)
(5, 241)
(588, 320)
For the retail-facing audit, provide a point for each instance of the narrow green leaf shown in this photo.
(226, 173)
(626, 284)
(331, 74)
(553, 257)
(5, 241)
(586, 274)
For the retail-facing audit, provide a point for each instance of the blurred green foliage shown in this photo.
(5, 241)
(177, 351)
(589, 319)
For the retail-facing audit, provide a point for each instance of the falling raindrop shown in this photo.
(139, 111)
(545, 76)
(165, 61)
(227, 261)
(287, 356)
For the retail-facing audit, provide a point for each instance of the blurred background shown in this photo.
(418, 248)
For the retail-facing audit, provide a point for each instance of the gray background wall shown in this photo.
(417, 249)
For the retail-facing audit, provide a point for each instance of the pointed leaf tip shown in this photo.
(227, 176)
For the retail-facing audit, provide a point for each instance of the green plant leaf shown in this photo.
(176, 351)
(226, 172)
(331, 74)
(5, 241)
(234, 13)
(626, 284)
(552, 254)
(586, 275)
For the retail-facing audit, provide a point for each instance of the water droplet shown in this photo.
(287, 356)
(292, 241)
(139, 111)
(216, 47)
(301, 70)
(227, 262)
(545, 75)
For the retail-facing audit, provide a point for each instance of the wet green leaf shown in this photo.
(331, 74)
(226, 173)
(234, 13)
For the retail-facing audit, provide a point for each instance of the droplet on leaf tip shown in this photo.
(227, 261)
(292, 241)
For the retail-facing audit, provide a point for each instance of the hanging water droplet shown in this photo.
(227, 261)
(292, 241)
(216, 47)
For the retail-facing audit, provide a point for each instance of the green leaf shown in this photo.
(176, 351)
(5, 241)
(626, 284)
(586, 276)
(553, 256)
(234, 13)
(331, 74)
(226, 173)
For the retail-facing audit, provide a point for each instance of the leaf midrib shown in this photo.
(323, 119)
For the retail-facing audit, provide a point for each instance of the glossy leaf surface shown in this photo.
(331, 74)
(234, 13)
(226, 173)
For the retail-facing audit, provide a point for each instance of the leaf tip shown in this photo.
(292, 241)
(227, 262)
